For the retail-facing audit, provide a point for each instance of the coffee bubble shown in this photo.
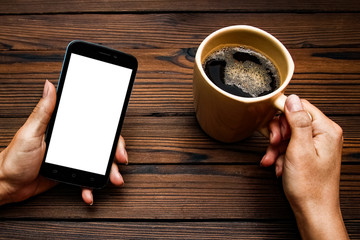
(248, 70)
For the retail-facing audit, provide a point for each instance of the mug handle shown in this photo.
(279, 103)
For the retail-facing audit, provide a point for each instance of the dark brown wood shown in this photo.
(154, 139)
(165, 75)
(173, 30)
(153, 230)
(180, 183)
(181, 191)
(42, 6)
(159, 229)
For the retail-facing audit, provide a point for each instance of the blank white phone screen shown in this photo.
(88, 115)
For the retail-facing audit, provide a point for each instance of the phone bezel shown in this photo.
(98, 52)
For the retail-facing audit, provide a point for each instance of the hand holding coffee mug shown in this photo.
(240, 76)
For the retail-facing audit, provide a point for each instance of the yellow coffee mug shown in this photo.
(227, 117)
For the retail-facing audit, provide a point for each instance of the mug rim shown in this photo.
(278, 91)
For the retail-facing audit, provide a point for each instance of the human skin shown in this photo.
(20, 162)
(306, 152)
(305, 147)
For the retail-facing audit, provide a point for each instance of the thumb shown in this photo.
(37, 122)
(300, 123)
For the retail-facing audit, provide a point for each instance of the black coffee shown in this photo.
(242, 72)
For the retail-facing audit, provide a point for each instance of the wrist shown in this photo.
(321, 222)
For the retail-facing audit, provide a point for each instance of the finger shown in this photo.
(87, 196)
(320, 121)
(269, 158)
(275, 133)
(300, 124)
(279, 165)
(115, 176)
(284, 128)
(315, 113)
(121, 155)
(327, 135)
(275, 139)
(37, 122)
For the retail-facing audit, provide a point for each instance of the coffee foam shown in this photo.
(250, 77)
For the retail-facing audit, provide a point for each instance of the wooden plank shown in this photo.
(164, 81)
(158, 100)
(42, 6)
(218, 192)
(179, 177)
(152, 99)
(179, 139)
(124, 31)
(152, 230)
(313, 66)
(158, 230)
(176, 64)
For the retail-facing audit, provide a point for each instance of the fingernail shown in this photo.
(92, 198)
(293, 103)
(46, 89)
(261, 162)
(123, 152)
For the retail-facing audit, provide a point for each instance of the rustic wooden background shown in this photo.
(180, 183)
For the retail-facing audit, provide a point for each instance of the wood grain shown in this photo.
(179, 140)
(152, 230)
(183, 192)
(158, 229)
(164, 80)
(169, 30)
(42, 6)
(180, 184)
(160, 121)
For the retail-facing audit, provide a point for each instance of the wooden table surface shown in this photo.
(180, 183)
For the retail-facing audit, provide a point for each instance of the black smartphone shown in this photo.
(92, 96)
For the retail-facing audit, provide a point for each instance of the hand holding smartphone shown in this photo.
(92, 96)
